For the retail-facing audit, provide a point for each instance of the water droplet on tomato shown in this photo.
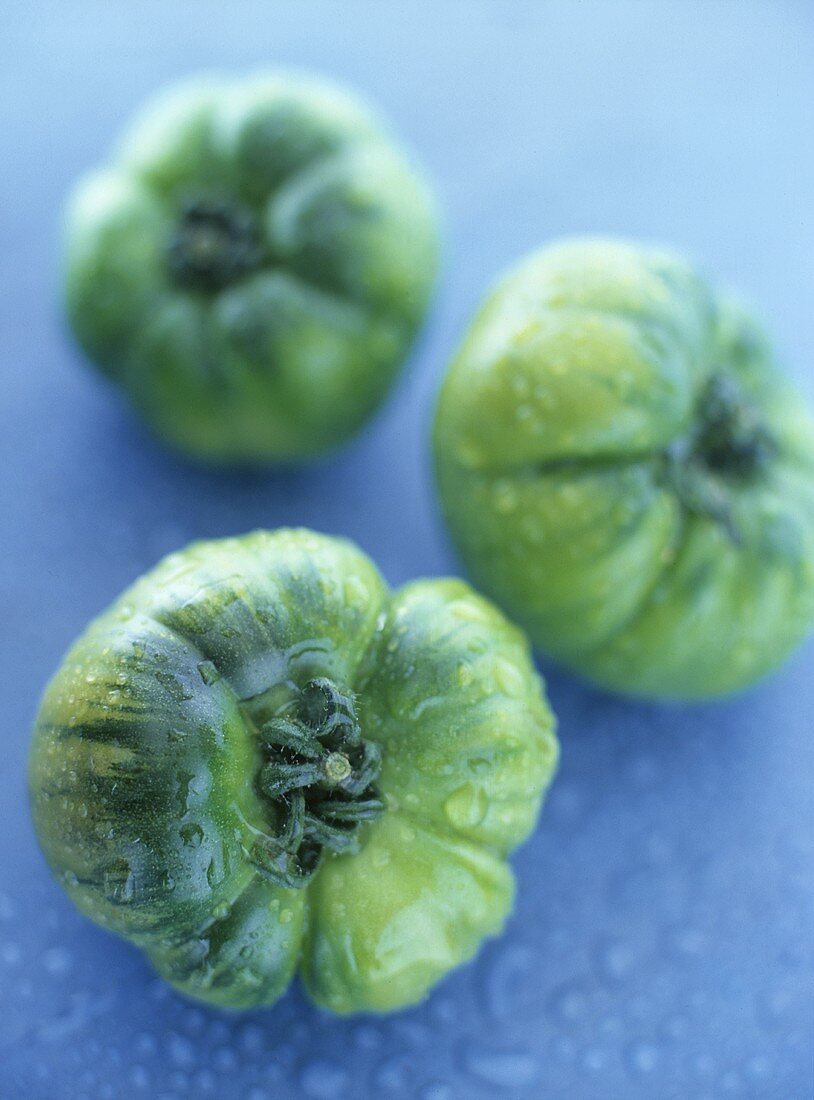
(466, 807)
(505, 496)
(209, 673)
(192, 835)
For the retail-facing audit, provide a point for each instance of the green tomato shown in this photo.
(260, 758)
(253, 267)
(626, 473)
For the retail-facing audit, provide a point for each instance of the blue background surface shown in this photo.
(662, 943)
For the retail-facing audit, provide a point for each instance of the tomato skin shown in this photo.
(151, 746)
(252, 266)
(625, 471)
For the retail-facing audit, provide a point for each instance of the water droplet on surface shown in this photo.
(212, 873)
(138, 1077)
(179, 1080)
(687, 942)
(181, 1051)
(10, 953)
(779, 1003)
(567, 804)
(204, 1080)
(323, 1080)
(209, 674)
(676, 1027)
(57, 960)
(252, 1038)
(506, 968)
(393, 1074)
(703, 1065)
(463, 674)
(643, 772)
(225, 1059)
(505, 1069)
(569, 1002)
(731, 1083)
(158, 990)
(564, 1048)
(194, 1021)
(505, 496)
(119, 882)
(595, 1059)
(759, 1066)
(436, 1090)
(192, 835)
(466, 807)
(508, 677)
(173, 686)
(355, 591)
(615, 961)
(642, 1058)
(367, 1037)
(146, 1044)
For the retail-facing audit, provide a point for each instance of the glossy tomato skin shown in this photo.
(624, 470)
(150, 764)
(252, 266)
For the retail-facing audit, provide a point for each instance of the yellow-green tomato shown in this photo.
(260, 760)
(626, 473)
(252, 266)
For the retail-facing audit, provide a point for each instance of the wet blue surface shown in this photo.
(662, 943)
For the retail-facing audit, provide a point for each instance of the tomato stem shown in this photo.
(216, 243)
(730, 444)
(732, 438)
(319, 774)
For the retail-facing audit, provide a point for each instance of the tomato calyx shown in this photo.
(216, 242)
(319, 773)
(731, 444)
(732, 438)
